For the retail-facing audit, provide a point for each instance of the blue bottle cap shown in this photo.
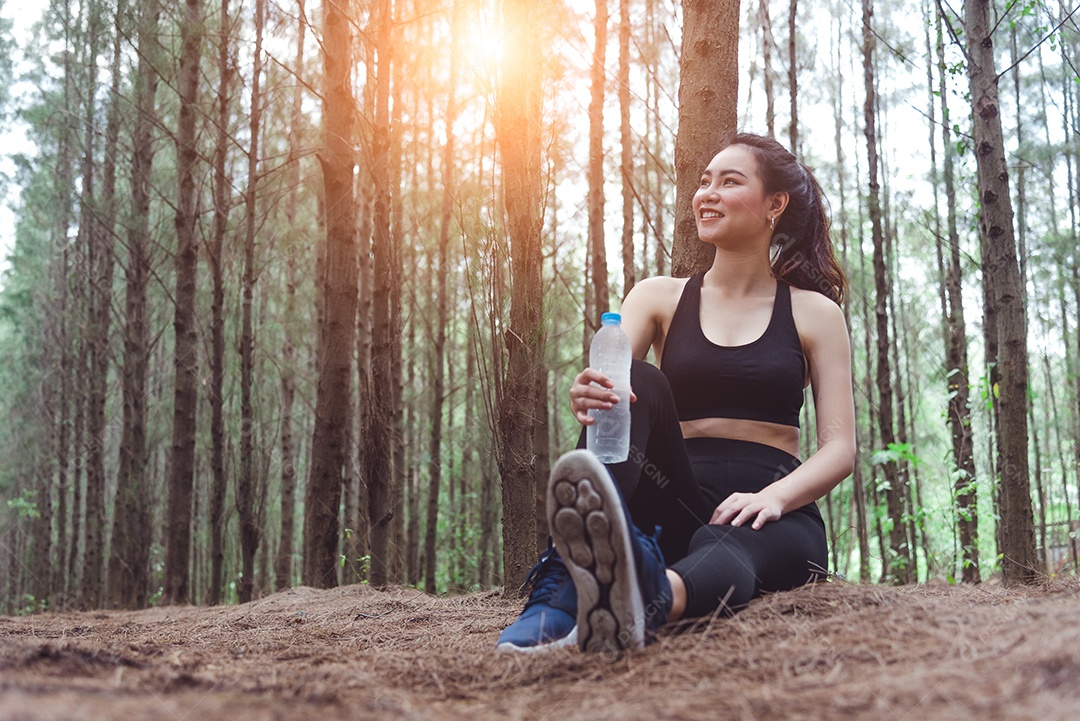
(610, 319)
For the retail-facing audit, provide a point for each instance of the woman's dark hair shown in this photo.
(805, 257)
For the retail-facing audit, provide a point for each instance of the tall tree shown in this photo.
(438, 380)
(186, 357)
(283, 564)
(1002, 274)
(517, 129)
(378, 459)
(708, 106)
(956, 358)
(128, 571)
(793, 76)
(248, 499)
(597, 246)
(338, 288)
(131, 481)
(626, 143)
(899, 564)
(765, 21)
(858, 493)
(216, 257)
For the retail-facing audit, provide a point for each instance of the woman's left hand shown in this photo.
(741, 507)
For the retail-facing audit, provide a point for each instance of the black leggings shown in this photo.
(677, 484)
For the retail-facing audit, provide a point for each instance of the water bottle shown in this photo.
(609, 434)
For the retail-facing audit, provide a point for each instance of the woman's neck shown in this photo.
(738, 273)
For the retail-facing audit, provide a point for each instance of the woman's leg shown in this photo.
(656, 480)
(731, 565)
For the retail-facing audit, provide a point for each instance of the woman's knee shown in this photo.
(650, 383)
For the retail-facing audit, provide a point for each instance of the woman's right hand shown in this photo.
(584, 396)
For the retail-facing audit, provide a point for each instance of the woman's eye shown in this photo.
(729, 181)
(703, 182)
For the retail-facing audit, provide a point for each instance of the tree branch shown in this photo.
(1039, 44)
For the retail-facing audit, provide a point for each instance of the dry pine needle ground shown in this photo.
(830, 651)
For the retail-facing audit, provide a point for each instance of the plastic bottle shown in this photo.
(610, 353)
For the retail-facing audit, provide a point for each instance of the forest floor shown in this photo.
(830, 651)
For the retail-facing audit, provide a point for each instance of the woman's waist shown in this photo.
(774, 435)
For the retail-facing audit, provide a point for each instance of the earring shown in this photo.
(772, 222)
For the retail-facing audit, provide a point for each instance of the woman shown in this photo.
(714, 432)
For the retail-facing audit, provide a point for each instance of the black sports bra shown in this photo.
(761, 381)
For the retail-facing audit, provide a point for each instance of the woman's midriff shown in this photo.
(777, 435)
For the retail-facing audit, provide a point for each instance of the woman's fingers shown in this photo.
(738, 508)
(591, 390)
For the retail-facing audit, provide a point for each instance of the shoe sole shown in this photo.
(566, 641)
(590, 530)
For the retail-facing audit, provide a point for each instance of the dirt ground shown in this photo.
(831, 651)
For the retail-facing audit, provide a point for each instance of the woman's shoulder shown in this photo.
(815, 312)
(657, 292)
(661, 284)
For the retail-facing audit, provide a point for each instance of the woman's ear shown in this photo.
(777, 203)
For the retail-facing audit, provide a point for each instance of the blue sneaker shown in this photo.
(548, 619)
(623, 592)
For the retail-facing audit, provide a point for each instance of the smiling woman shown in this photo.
(718, 422)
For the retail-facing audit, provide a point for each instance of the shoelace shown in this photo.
(544, 578)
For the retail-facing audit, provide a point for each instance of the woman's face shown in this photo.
(730, 203)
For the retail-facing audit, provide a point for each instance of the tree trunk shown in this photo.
(793, 77)
(858, 492)
(597, 247)
(131, 532)
(449, 193)
(626, 142)
(1002, 274)
(186, 359)
(956, 359)
(216, 257)
(337, 332)
(766, 57)
(517, 128)
(899, 561)
(246, 492)
(378, 455)
(708, 106)
(654, 167)
(283, 565)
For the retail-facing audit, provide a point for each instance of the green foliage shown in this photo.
(24, 505)
(895, 453)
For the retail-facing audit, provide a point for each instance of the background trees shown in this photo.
(418, 188)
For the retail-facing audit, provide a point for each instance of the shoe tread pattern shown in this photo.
(591, 533)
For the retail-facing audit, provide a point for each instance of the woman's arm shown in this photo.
(827, 347)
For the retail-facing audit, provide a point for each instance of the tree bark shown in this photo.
(283, 565)
(626, 142)
(216, 257)
(248, 506)
(1002, 274)
(438, 385)
(708, 106)
(793, 77)
(899, 561)
(517, 129)
(766, 58)
(186, 358)
(858, 492)
(378, 454)
(337, 332)
(131, 532)
(956, 356)
(597, 246)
